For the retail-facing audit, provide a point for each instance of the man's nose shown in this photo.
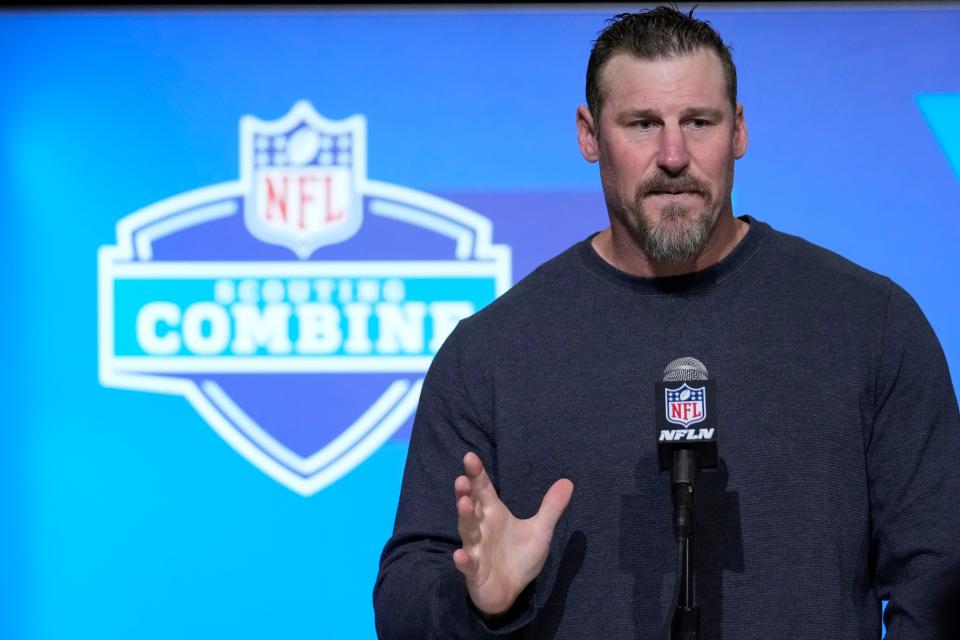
(672, 156)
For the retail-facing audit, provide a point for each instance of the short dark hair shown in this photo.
(664, 32)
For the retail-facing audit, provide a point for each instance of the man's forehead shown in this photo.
(698, 75)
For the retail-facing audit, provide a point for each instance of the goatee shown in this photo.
(677, 239)
(681, 234)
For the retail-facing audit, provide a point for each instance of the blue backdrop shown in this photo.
(124, 514)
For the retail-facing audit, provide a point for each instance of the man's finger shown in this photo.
(468, 522)
(464, 563)
(554, 503)
(461, 486)
(479, 480)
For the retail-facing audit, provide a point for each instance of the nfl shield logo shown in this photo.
(304, 177)
(686, 405)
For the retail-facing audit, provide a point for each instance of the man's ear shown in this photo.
(739, 134)
(587, 135)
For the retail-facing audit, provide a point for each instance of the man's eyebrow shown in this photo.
(638, 114)
(709, 113)
(705, 112)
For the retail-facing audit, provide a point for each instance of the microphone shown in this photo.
(686, 442)
(686, 433)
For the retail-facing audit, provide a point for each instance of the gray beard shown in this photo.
(670, 244)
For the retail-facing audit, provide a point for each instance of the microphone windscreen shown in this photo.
(683, 369)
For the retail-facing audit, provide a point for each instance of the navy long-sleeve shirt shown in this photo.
(839, 444)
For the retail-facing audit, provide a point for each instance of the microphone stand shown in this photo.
(686, 615)
(684, 452)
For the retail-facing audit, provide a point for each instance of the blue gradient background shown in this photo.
(122, 515)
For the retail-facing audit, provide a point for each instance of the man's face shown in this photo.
(666, 142)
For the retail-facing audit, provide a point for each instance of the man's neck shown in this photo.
(615, 245)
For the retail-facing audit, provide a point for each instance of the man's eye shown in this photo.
(643, 124)
(699, 123)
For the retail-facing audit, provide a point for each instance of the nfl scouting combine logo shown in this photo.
(298, 308)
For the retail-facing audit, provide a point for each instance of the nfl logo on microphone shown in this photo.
(686, 405)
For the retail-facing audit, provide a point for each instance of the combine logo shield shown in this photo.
(297, 308)
(686, 405)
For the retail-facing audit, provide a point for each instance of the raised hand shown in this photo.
(501, 554)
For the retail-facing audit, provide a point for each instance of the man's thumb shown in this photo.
(554, 502)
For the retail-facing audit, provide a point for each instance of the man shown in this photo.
(837, 481)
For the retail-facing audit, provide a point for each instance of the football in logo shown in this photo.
(297, 308)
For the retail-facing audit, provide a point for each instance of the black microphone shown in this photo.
(686, 433)
(686, 442)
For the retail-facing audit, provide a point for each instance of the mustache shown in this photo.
(662, 183)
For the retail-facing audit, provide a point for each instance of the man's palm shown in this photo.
(501, 554)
